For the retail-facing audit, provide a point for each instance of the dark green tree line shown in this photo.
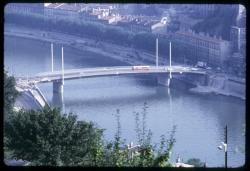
(46, 137)
(94, 30)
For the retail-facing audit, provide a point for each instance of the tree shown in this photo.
(196, 162)
(145, 41)
(218, 23)
(45, 137)
(10, 95)
(117, 154)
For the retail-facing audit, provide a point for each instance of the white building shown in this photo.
(238, 38)
(63, 10)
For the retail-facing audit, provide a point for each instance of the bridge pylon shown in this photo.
(163, 79)
(170, 65)
(57, 99)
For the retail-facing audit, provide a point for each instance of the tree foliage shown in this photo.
(117, 154)
(46, 137)
(213, 24)
(10, 94)
(94, 30)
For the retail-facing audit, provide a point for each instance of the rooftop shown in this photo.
(201, 36)
(65, 6)
(137, 20)
(53, 5)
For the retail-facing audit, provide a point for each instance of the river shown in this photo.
(200, 119)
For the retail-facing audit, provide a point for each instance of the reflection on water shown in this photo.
(200, 119)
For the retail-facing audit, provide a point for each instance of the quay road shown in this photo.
(108, 71)
(31, 96)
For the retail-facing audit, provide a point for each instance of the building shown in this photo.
(102, 11)
(179, 163)
(69, 11)
(138, 24)
(159, 28)
(201, 47)
(241, 15)
(25, 8)
(112, 19)
(99, 13)
(89, 16)
(237, 64)
(142, 25)
(238, 38)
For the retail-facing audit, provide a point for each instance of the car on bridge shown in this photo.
(44, 79)
(194, 69)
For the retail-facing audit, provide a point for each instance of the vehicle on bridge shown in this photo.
(140, 67)
(194, 69)
(201, 64)
(168, 68)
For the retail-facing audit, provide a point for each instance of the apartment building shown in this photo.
(238, 38)
(63, 11)
(202, 47)
(138, 24)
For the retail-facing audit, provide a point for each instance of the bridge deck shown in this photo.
(108, 71)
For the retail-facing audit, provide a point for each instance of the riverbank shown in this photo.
(124, 54)
(223, 85)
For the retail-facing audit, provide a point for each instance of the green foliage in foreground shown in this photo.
(47, 138)
(117, 154)
(10, 95)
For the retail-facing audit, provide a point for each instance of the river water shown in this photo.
(200, 119)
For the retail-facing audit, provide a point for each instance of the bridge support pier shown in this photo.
(205, 80)
(164, 80)
(57, 98)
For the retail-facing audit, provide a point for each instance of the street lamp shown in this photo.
(223, 146)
